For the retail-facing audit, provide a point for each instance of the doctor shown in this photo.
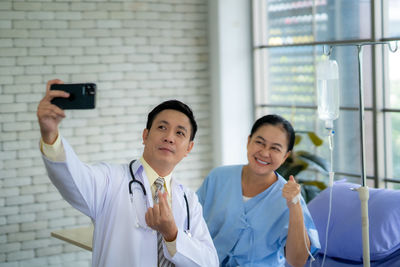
(130, 204)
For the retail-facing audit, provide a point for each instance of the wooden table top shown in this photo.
(81, 237)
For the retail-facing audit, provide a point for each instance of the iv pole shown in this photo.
(363, 191)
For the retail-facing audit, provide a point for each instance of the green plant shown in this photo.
(300, 161)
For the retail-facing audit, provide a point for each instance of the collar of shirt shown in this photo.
(152, 176)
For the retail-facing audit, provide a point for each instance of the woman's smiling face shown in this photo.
(267, 149)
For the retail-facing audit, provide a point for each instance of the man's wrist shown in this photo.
(49, 138)
(55, 151)
(171, 237)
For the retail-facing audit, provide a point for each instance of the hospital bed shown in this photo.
(344, 247)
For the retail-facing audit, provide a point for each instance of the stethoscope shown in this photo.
(134, 180)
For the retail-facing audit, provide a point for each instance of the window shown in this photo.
(288, 42)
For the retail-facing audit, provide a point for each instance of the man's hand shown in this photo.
(49, 115)
(161, 219)
(290, 190)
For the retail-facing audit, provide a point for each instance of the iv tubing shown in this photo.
(331, 176)
(305, 243)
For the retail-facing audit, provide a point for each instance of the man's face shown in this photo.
(168, 140)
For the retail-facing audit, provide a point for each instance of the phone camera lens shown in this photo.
(90, 90)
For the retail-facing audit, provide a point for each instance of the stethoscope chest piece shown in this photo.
(188, 233)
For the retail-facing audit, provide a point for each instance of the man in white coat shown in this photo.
(134, 224)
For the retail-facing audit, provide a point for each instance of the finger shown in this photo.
(56, 93)
(286, 190)
(164, 207)
(57, 110)
(55, 81)
(291, 178)
(291, 188)
(53, 115)
(50, 96)
(156, 212)
(149, 217)
(44, 114)
(51, 110)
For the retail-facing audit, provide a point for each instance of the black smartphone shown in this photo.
(81, 95)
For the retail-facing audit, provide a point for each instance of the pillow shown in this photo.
(345, 233)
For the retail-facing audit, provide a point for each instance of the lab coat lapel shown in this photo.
(147, 239)
(148, 189)
(178, 205)
(140, 174)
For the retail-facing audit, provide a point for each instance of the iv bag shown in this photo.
(328, 91)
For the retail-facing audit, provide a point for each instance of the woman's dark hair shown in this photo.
(274, 119)
(175, 105)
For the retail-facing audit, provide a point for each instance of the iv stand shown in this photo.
(363, 191)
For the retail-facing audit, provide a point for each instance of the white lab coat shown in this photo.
(101, 192)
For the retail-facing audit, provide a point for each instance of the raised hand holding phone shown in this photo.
(60, 96)
(81, 95)
(49, 115)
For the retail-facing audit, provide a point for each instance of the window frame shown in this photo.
(381, 135)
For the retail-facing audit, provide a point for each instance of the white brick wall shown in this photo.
(139, 52)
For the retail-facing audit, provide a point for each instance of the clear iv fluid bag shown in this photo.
(328, 91)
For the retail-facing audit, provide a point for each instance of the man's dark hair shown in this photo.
(274, 119)
(174, 105)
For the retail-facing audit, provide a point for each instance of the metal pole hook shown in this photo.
(393, 50)
(328, 54)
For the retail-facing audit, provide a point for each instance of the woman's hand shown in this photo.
(290, 191)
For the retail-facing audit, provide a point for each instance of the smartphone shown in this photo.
(81, 96)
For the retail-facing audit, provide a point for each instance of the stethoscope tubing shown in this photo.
(187, 212)
(134, 180)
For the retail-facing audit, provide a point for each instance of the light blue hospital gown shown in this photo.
(251, 233)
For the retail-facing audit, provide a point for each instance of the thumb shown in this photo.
(291, 178)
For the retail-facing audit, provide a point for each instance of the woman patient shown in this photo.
(251, 211)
